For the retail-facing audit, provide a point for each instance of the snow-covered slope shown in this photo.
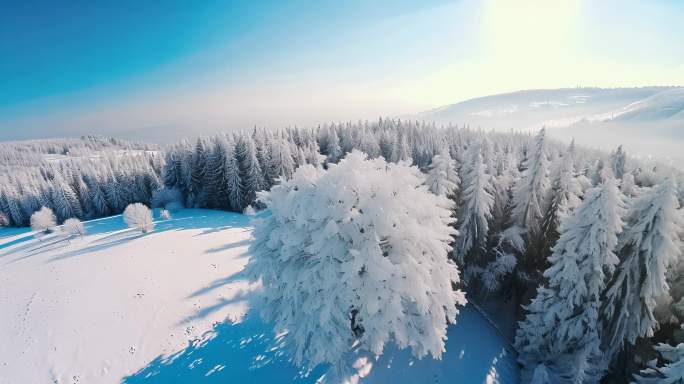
(170, 307)
(531, 109)
(649, 121)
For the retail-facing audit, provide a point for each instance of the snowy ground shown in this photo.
(171, 307)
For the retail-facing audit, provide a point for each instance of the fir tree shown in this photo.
(442, 178)
(648, 246)
(529, 202)
(234, 183)
(476, 206)
(561, 329)
(198, 167)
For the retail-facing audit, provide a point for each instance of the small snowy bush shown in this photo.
(4, 220)
(74, 227)
(164, 214)
(249, 211)
(43, 220)
(138, 216)
(356, 255)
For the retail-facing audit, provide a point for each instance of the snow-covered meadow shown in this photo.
(172, 306)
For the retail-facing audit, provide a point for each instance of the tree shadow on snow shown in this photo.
(116, 232)
(244, 352)
(247, 352)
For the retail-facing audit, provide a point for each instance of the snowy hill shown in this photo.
(648, 121)
(532, 109)
(170, 307)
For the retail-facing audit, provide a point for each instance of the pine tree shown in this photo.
(234, 183)
(565, 195)
(333, 148)
(618, 159)
(476, 205)
(401, 150)
(529, 202)
(116, 197)
(97, 197)
(561, 329)
(251, 176)
(215, 178)
(530, 192)
(648, 246)
(442, 179)
(282, 163)
(65, 201)
(196, 198)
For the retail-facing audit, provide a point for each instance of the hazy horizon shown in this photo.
(147, 72)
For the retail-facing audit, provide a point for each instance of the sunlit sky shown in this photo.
(145, 70)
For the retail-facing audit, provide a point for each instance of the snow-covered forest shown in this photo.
(82, 178)
(586, 243)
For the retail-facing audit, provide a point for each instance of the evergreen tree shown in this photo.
(560, 330)
(356, 256)
(565, 195)
(476, 206)
(333, 148)
(442, 179)
(401, 150)
(234, 183)
(282, 163)
(196, 198)
(97, 197)
(618, 159)
(529, 202)
(116, 198)
(251, 176)
(648, 246)
(215, 178)
(65, 201)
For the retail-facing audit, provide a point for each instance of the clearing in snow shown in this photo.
(171, 306)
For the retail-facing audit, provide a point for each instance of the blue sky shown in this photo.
(181, 68)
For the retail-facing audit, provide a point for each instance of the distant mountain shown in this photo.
(532, 109)
(649, 121)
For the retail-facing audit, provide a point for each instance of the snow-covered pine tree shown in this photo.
(647, 248)
(671, 373)
(561, 327)
(565, 194)
(233, 180)
(251, 176)
(15, 213)
(282, 163)
(442, 178)
(172, 173)
(97, 197)
(215, 176)
(116, 198)
(196, 197)
(618, 159)
(475, 212)
(529, 201)
(333, 148)
(401, 150)
(64, 199)
(356, 255)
